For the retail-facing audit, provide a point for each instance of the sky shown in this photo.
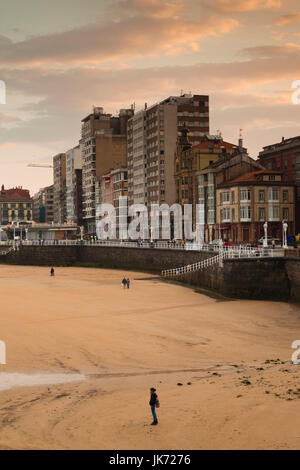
(60, 58)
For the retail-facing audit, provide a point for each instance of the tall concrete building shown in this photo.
(73, 163)
(43, 205)
(151, 145)
(59, 187)
(103, 143)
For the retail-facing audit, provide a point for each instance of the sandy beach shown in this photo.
(82, 354)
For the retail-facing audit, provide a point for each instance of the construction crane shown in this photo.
(40, 165)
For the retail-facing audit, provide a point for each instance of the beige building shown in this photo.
(151, 145)
(245, 203)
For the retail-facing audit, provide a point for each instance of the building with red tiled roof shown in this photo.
(245, 203)
(285, 157)
(15, 205)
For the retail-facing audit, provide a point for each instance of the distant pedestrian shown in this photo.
(154, 403)
(52, 271)
(124, 282)
(128, 282)
(273, 244)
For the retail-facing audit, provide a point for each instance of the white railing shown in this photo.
(235, 251)
(225, 253)
(188, 246)
(192, 267)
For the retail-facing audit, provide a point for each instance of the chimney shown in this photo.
(282, 140)
(241, 141)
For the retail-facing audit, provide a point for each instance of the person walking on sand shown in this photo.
(128, 282)
(52, 271)
(154, 403)
(124, 282)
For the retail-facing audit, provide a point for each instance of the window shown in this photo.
(261, 214)
(225, 197)
(245, 214)
(285, 196)
(245, 195)
(273, 194)
(285, 213)
(271, 177)
(232, 197)
(225, 215)
(262, 196)
(233, 214)
(274, 213)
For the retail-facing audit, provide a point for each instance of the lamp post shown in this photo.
(26, 234)
(284, 233)
(265, 244)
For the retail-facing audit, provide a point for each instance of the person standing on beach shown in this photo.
(154, 403)
(124, 282)
(52, 271)
(128, 282)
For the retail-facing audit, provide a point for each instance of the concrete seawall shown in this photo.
(258, 278)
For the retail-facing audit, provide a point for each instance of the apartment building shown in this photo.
(120, 197)
(16, 205)
(73, 163)
(284, 156)
(230, 165)
(59, 188)
(245, 203)
(190, 160)
(103, 143)
(43, 205)
(151, 144)
(78, 197)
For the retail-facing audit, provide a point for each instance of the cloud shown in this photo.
(136, 36)
(227, 6)
(287, 19)
(59, 103)
(151, 8)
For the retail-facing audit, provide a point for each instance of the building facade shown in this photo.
(190, 160)
(59, 188)
(43, 205)
(229, 166)
(73, 163)
(284, 156)
(103, 142)
(151, 145)
(245, 203)
(16, 205)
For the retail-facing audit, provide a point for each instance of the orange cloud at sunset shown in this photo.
(101, 42)
(243, 5)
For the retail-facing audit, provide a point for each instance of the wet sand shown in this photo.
(233, 359)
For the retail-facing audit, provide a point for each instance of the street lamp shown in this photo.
(284, 233)
(265, 244)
